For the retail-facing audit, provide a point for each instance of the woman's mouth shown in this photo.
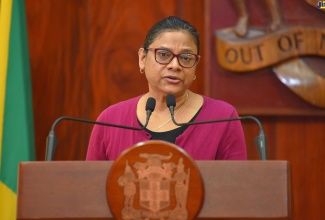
(172, 79)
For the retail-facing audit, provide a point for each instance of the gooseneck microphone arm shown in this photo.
(52, 141)
(260, 140)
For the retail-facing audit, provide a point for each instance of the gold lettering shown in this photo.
(291, 41)
(298, 40)
(248, 56)
(259, 52)
(284, 43)
(255, 53)
(245, 54)
(231, 55)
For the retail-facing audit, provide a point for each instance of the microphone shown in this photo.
(260, 140)
(52, 141)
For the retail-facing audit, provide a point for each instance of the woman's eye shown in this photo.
(186, 57)
(164, 53)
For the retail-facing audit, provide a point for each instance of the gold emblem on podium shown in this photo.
(154, 180)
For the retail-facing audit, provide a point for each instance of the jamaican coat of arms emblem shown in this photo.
(153, 186)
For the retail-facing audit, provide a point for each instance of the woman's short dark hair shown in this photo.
(171, 23)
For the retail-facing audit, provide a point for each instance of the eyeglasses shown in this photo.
(163, 56)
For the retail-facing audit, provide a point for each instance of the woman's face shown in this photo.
(169, 78)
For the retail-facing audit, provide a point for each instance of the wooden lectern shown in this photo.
(77, 190)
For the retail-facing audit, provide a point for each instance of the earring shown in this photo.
(194, 77)
(141, 71)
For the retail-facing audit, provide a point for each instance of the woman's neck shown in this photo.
(161, 100)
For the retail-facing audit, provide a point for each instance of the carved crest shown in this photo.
(149, 185)
(153, 180)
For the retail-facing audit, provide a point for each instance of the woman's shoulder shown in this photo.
(121, 108)
(210, 102)
(125, 104)
(217, 107)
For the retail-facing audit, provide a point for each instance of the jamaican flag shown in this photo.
(16, 116)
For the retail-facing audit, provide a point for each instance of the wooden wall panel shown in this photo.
(57, 44)
(302, 142)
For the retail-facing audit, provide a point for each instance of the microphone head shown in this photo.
(151, 104)
(170, 100)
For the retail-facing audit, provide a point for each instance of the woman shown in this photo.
(168, 59)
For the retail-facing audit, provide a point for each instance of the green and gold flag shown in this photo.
(16, 116)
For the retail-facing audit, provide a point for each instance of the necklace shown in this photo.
(163, 124)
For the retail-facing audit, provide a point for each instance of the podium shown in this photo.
(77, 190)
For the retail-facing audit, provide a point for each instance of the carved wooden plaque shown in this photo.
(154, 180)
(268, 49)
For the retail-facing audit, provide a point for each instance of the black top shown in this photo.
(171, 135)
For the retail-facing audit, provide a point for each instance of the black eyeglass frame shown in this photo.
(174, 55)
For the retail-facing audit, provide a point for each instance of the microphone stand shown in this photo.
(52, 141)
(260, 140)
